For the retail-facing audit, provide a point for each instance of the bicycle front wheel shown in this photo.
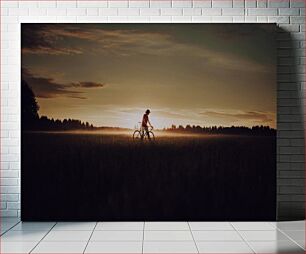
(151, 135)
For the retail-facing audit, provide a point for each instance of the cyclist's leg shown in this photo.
(147, 132)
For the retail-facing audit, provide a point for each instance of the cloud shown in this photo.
(88, 84)
(258, 117)
(63, 39)
(45, 87)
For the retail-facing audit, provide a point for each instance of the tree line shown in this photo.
(31, 120)
(255, 130)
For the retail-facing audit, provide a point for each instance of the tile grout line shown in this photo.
(143, 232)
(193, 237)
(10, 228)
(42, 238)
(290, 238)
(90, 237)
(247, 243)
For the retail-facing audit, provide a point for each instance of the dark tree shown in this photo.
(29, 107)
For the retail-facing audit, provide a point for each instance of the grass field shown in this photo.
(96, 176)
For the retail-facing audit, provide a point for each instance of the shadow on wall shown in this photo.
(290, 128)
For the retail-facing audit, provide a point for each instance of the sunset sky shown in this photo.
(109, 74)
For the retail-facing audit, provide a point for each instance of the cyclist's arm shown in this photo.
(149, 123)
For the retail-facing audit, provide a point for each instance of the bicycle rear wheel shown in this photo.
(136, 135)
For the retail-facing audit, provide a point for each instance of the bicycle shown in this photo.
(141, 133)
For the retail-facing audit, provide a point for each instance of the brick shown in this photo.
(291, 150)
(139, 4)
(192, 11)
(297, 3)
(291, 174)
(10, 189)
(181, 3)
(9, 197)
(9, 213)
(291, 198)
(202, 3)
(108, 11)
(262, 12)
(160, 4)
(92, 4)
(38, 11)
(8, 181)
(239, 19)
(289, 11)
(238, 3)
(76, 12)
(297, 20)
(201, 19)
(9, 4)
(47, 4)
(279, 19)
(92, 11)
(222, 3)
(118, 4)
(66, 4)
(250, 3)
(90, 19)
(160, 19)
(57, 12)
(291, 190)
(233, 12)
(211, 11)
(128, 11)
(150, 12)
(28, 4)
(222, 19)
(9, 173)
(181, 19)
(172, 11)
(13, 205)
(262, 3)
(278, 3)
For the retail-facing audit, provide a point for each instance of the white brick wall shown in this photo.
(289, 14)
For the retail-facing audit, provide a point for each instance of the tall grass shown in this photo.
(111, 177)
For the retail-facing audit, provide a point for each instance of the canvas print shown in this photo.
(148, 122)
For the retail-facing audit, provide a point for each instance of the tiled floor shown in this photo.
(152, 237)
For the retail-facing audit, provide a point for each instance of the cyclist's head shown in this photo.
(148, 111)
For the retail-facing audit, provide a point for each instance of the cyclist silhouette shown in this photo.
(146, 122)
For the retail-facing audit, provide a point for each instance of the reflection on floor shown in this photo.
(152, 237)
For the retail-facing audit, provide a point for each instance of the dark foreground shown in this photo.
(111, 177)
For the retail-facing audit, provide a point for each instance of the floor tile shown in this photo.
(297, 236)
(216, 236)
(169, 247)
(210, 226)
(23, 236)
(33, 226)
(63, 226)
(17, 247)
(114, 247)
(117, 236)
(60, 247)
(164, 225)
(223, 247)
(167, 235)
(69, 236)
(276, 247)
(253, 226)
(291, 225)
(120, 226)
(273, 235)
